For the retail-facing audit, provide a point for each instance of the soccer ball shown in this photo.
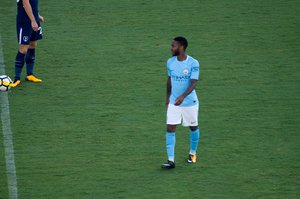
(5, 82)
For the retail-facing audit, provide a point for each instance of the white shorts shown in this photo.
(187, 116)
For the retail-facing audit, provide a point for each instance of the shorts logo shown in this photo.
(185, 71)
(25, 38)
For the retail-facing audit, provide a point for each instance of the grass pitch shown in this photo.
(95, 127)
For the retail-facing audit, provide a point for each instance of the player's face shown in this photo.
(175, 48)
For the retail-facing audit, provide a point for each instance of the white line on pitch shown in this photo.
(7, 137)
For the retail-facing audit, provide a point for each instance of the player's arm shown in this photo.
(169, 87)
(191, 87)
(28, 9)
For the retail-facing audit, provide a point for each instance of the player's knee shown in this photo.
(193, 128)
(171, 128)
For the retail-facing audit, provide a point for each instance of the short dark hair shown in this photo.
(182, 41)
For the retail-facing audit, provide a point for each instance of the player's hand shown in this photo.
(34, 26)
(41, 18)
(179, 100)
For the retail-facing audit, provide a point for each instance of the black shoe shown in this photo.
(168, 165)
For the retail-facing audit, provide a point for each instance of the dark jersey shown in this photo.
(22, 16)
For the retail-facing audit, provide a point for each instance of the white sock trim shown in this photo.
(171, 159)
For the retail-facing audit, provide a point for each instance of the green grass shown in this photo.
(95, 127)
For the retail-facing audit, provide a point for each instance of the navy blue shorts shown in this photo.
(26, 34)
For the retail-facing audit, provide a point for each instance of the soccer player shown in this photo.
(29, 32)
(182, 102)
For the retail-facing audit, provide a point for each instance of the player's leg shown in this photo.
(194, 140)
(30, 56)
(173, 118)
(23, 34)
(30, 59)
(19, 63)
(170, 144)
(190, 118)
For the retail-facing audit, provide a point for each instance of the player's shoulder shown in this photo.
(193, 61)
(171, 60)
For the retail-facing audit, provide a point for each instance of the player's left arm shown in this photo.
(191, 87)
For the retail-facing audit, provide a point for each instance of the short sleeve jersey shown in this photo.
(181, 73)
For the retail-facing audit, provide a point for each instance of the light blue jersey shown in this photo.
(181, 73)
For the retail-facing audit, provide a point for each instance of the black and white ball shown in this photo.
(5, 82)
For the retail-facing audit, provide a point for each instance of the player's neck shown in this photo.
(182, 57)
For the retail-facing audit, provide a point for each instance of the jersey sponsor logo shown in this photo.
(181, 78)
(25, 38)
